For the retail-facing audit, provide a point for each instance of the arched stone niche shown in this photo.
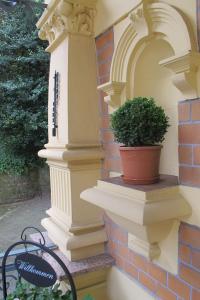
(156, 56)
(146, 23)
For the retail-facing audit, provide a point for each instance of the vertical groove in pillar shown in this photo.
(52, 187)
(60, 189)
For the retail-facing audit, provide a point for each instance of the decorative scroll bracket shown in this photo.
(114, 91)
(184, 68)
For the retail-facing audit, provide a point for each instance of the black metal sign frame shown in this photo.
(55, 104)
(41, 246)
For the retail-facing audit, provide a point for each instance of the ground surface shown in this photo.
(15, 217)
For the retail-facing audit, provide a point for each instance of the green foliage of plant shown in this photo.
(27, 291)
(139, 122)
(23, 89)
(88, 297)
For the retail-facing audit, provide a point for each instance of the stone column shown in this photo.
(74, 153)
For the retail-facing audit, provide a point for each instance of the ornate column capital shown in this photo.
(62, 17)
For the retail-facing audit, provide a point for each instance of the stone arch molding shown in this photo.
(149, 21)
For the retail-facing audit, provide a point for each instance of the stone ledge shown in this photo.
(165, 182)
(92, 264)
(151, 215)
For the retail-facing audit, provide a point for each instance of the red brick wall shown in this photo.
(184, 286)
(105, 48)
(163, 285)
(189, 142)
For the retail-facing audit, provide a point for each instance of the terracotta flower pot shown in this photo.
(140, 164)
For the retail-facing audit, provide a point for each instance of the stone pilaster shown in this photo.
(74, 153)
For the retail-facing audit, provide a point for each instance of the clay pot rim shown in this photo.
(138, 148)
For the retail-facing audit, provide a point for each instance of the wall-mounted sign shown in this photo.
(55, 104)
(35, 270)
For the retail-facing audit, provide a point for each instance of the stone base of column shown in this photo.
(80, 244)
(90, 275)
(74, 225)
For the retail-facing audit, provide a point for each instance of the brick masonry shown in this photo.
(161, 284)
(105, 48)
(189, 142)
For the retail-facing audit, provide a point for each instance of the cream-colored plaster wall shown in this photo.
(188, 7)
(110, 12)
(151, 79)
(121, 287)
(192, 195)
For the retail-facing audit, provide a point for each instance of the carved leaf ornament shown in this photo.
(68, 17)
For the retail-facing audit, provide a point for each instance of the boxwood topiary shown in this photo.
(139, 122)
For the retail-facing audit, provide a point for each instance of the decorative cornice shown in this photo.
(72, 155)
(66, 16)
(186, 62)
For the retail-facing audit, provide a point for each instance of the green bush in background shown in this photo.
(23, 89)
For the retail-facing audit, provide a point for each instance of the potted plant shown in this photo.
(140, 125)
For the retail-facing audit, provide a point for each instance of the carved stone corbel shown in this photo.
(184, 68)
(149, 215)
(114, 91)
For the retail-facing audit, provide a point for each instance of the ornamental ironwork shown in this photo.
(34, 268)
